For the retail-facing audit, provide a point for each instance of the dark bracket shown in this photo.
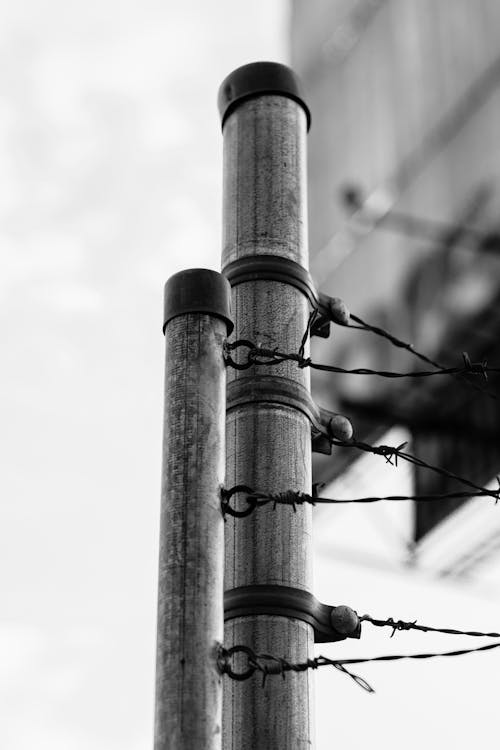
(320, 434)
(285, 601)
(273, 268)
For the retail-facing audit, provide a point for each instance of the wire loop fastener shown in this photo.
(225, 659)
(227, 508)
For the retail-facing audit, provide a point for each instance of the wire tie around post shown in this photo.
(307, 332)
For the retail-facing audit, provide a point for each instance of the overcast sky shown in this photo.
(110, 152)
(110, 148)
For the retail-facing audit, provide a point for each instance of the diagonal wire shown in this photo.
(392, 453)
(363, 326)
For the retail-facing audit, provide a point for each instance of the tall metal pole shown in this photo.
(190, 620)
(268, 440)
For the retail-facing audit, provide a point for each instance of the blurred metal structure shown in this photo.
(404, 188)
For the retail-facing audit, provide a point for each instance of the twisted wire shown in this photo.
(364, 326)
(292, 498)
(392, 454)
(397, 625)
(268, 664)
(258, 355)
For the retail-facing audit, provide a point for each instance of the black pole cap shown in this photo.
(258, 79)
(198, 290)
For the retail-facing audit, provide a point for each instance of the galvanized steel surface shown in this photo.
(268, 445)
(190, 615)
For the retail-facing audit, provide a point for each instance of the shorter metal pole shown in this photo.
(190, 587)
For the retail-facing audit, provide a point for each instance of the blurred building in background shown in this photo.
(404, 207)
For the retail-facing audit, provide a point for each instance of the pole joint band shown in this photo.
(276, 268)
(267, 389)
(329, 623)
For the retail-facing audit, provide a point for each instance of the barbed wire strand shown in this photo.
(258, 355)
(392, 453)
(292, 498)
(397, 625)
(267, 664)
(364, 326)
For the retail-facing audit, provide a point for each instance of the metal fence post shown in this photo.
(264, 123)
(190, 620)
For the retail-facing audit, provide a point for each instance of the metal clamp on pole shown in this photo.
(272, 268)
(329, 623)
(267, 389)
